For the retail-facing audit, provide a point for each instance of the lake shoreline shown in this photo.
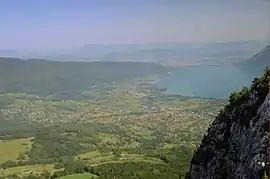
(204, 81)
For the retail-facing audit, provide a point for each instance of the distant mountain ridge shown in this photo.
(145, 52)
(257, 62)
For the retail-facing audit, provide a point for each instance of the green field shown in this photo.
(80, 176)
(23, 170)
(96, 158)
(12, 149)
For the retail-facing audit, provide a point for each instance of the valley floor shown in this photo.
(121, 130)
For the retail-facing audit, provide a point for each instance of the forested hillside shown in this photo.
(45, 77)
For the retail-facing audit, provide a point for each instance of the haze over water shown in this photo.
(205, 81)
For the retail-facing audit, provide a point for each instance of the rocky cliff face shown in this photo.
(236, 144)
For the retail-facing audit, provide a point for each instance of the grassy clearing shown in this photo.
(27, 168)
(99, 160)
(131, 158)
(142, 158)
(169, 146)
(105, 138)
(88, 155)
(109, 162)
(79, 176)
(95, 158)
(11, 149)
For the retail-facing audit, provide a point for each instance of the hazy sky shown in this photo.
(65, 23)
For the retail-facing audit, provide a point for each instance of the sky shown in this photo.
(49, 24)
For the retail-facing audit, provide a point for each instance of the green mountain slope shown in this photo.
(45, 77)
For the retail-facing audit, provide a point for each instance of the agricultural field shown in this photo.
(113, 131)
(80, 176)
(12, 150)
(27, 169)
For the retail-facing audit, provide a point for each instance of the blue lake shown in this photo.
(205, 81)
